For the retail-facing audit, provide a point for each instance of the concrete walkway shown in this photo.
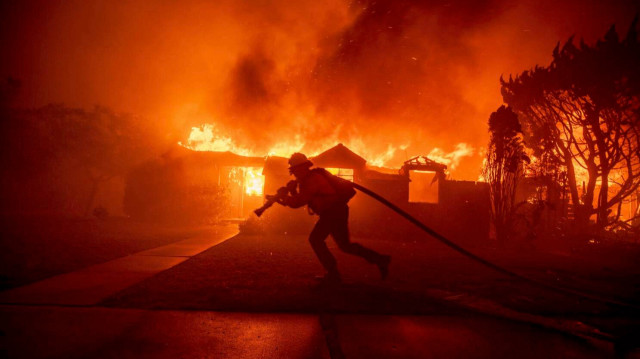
(91, 285)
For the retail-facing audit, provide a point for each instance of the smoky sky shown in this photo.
(416, 74)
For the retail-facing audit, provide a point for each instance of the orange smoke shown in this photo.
(390, 79)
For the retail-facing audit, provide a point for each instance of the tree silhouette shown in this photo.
(582, 113)
(101, 143)
(503, 168)
(59, 157)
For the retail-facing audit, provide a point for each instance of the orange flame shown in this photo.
(208, 138)
(253, 181)
(451, 159)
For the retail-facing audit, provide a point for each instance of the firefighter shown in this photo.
(317, 189)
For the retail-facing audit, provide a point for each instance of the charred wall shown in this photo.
(462, 213)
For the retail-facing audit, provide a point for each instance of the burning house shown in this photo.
(457, 209)
(419, 186)
(195, 186)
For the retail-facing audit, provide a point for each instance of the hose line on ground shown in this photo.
(485, 262)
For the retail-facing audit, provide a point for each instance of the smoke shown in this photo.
(393, 78)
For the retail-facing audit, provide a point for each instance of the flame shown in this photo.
(285, 149)
(577, 118)
(209, 138)
(253, 181)
(379, 159)
(451, 159)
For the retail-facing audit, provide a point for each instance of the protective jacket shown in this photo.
(315, 191)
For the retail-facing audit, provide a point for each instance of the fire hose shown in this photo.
(459, 249)
(282, 192)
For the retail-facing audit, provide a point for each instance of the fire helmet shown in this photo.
(299, 159)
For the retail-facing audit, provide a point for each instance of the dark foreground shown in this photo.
(276, 273)
(255, 296)
(58, 332)
(33, 248)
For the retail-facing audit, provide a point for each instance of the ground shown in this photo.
(434, 301)
(270, 273)
(36, 247)
(276, 272)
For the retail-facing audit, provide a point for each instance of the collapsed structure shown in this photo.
(457, 209)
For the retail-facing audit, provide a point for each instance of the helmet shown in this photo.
(299, 159)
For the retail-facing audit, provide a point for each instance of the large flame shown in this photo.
(405, 75)
(451, 159)
(253, 181)
(209, 138)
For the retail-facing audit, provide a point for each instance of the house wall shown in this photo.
(465, 210)
(461, 215)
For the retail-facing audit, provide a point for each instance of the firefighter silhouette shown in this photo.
(327, 196)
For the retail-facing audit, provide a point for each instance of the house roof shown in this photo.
(422, 163)
(209, 157)
(339, 156)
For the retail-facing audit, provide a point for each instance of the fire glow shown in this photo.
(253, 181)
(407, 76)
(209, 138)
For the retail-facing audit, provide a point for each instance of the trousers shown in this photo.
(335, 222)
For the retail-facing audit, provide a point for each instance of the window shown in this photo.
(346, 173)
(253, 181)
(423, 187)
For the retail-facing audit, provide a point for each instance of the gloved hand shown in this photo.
(283, 192)
(292, 187)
